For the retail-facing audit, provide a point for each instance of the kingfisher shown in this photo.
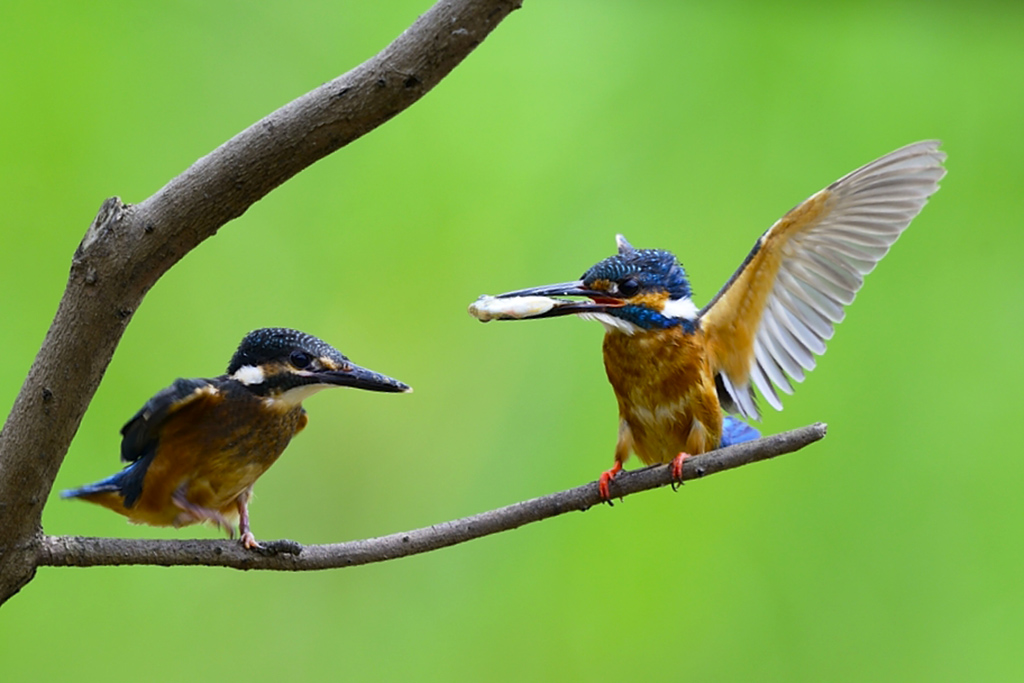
(677, 369)
(197, 447)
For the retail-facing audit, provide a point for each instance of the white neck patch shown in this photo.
(680, 308)
(249, 375)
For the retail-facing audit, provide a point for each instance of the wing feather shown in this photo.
(140, 434)
(781, 345)
(780, 307)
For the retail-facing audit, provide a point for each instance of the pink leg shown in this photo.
(245, 534)
(199, 513)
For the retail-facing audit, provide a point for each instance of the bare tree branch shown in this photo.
(79, 551)
(127, 248)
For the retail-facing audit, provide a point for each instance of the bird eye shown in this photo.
(629, 287)
(301, 359)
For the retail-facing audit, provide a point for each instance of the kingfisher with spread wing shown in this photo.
(676, 368)
(197, 447)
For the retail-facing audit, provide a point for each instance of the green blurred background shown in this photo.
(890, 551)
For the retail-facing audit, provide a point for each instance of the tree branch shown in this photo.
(127, 248)
(79, 551)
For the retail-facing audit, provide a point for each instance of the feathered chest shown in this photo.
(656, 367)
(665, 390)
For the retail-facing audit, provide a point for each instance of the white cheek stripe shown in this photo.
(680, 308)
(249, 375)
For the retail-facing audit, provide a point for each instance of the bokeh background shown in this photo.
(890, 551)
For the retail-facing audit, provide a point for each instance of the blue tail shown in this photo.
(736, 431)
(127, 483)
(111, 484)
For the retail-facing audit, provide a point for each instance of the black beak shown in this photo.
(598, 302)
(361, 378)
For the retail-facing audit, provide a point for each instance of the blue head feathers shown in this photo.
(650, 269)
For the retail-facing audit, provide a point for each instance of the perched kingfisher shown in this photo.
(675, 368)
(197, 447)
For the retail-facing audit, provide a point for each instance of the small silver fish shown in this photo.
(512, 308)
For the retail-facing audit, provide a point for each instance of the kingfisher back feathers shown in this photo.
(675, 368)
(197, 447)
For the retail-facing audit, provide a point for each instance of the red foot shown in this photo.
(677, 468)
(606, 477)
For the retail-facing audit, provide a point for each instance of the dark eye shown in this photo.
(300, 359)
(629, 287)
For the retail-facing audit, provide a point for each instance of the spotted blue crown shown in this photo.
(653, 270)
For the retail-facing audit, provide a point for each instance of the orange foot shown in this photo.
(677, 469)
(606, 477)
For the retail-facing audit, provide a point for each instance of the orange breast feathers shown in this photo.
(666, 393)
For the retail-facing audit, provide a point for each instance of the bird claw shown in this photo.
(603, 488)
(677, 470)
(249, 541)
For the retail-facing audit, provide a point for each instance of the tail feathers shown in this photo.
(109, 492)
(112, 484)
(736, 431)
(126, 484)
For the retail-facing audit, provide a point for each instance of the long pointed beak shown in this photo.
(597, 301)
(361, 378)
(574, 288)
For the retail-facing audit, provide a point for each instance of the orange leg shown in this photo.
(677, 469)
(606, 477)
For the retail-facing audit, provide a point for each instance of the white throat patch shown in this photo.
(612, 323)
(294, 397)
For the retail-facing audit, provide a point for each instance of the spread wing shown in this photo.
(140, 434)
(778, 309)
